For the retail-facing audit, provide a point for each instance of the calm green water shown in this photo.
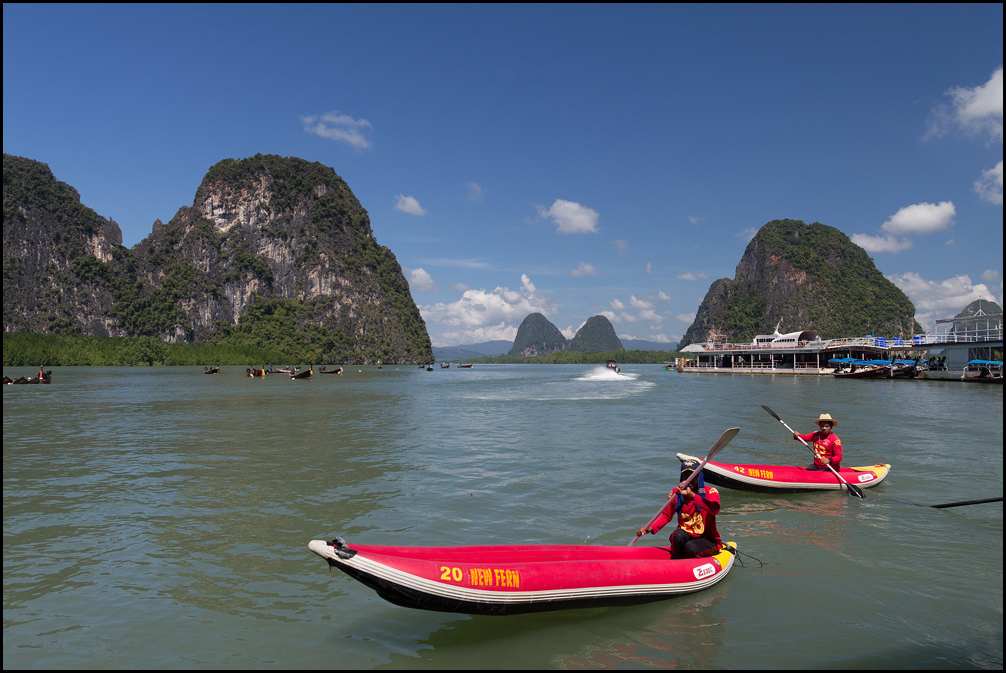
(159, 518)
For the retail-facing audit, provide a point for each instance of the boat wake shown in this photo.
(606, 374)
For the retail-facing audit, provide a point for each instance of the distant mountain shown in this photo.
(979, 306)
(643, 345)
(596, 336)
(470, 351)
(498, 347)
(810, 276)
(493, 348)
(537, 336)
(974, 317)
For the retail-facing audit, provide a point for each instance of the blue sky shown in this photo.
(574, 160)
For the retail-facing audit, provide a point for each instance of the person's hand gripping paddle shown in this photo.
(853, 490)
(720, 443)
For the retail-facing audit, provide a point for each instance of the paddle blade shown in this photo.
(855, 490)
(772, 413)
(724, 439)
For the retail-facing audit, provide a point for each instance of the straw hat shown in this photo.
(826, 417)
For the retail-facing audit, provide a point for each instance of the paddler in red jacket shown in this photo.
(826, 444)
(696, 506)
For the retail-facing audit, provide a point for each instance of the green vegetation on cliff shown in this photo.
(537, 336)
(811, 276)
(597, 335)
(275, 252)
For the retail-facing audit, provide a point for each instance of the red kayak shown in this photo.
(787, 478)
(514, 579)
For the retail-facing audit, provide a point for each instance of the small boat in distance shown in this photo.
(851, 368)
(614, 365)
(214, 370)
(304, 374)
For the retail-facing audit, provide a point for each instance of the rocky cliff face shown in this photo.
(55, 250)
(260, 230)
(810, 277)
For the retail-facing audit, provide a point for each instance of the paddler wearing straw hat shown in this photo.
(827, 446)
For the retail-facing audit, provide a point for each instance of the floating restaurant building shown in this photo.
(805, 352)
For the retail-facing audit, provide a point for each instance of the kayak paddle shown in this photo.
(967, 502)
(853, 490)
(720, 443)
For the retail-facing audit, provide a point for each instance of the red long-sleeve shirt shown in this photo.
(829, 447)
(697, 517)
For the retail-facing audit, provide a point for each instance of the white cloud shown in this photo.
(941, 299)
(621, 246)
(990, 275)
(881, 243)
(990, 186)
(474, 192)
(977, 110)
(921, 218)
(663, 296)
(639, 304)
(916, 219)
(692, 276)
(570, 217)
(980, 109)
(583, 269)
(617, 305)
(338, 127)
(687, 318)
(482, 315)
(649, 269)
(408, 204)
(420, 280)
(747, 234)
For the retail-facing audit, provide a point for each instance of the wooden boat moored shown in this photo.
(783, 478)
(516, 579)
(983, 371)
